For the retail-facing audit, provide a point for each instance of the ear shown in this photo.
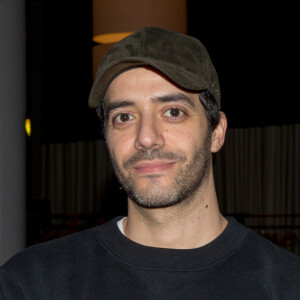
(218, 136)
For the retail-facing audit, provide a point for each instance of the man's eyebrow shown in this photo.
(177, 97)
(118, 104)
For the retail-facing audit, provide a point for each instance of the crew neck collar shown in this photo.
(142, 256)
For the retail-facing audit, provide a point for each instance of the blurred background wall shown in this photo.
(12, 116)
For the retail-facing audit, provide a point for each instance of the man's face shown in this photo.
(157, 136)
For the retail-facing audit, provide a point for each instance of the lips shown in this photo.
(153, 167)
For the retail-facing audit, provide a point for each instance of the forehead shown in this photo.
(143, 83)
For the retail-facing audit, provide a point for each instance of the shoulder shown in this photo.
(277, 267)
(21, 276)
(38, 268)
(58, 249)
(265, 249)
(262, 262)
(84, 244)
(255, 246)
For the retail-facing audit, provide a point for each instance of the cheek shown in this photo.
(186, 138)
(119, 146)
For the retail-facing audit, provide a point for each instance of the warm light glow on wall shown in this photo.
(109, 38)
(112, 17)
(28, 127)
(115, 19)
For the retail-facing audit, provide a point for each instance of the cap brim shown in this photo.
(177, 74)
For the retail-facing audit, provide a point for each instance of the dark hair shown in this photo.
(212, 113)
(100, 110)
(206, 98)
(211, 108)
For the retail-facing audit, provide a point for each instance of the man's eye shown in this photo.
(122, 118)
(173, 113)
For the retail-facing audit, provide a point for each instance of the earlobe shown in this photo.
(218, 136)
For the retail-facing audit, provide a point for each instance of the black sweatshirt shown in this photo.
(101, 263)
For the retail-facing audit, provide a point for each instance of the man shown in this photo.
(158, 97)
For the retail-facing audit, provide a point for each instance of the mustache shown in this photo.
(151, 155)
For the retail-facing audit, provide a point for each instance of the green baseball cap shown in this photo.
(182, 58)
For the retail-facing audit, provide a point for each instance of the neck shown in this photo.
(191, 224)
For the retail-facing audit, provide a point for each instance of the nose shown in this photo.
(149, 134)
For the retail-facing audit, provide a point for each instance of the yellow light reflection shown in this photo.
(109, 38)
(28, 127)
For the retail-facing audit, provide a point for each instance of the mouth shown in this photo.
(153, 167)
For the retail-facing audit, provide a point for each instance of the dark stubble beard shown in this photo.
(189, 178)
